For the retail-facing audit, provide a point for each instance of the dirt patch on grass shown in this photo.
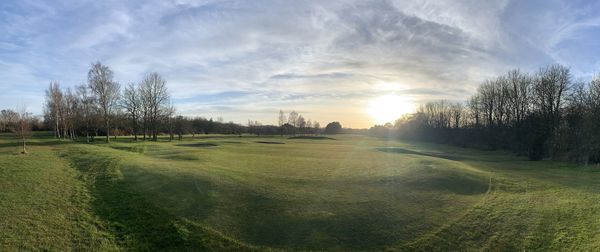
(269, 142)
(312, 137)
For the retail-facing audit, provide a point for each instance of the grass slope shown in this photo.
(43, 204)
(237, 193)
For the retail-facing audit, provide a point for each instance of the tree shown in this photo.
(333, 128)
(54, 106)
(301, 123)
(474, 108)
(293, 118)
(155, 100)
(549, 92)
(520, 85)
(169, 114)
(282, 118)
(86, 109)
(182, 126)
(457, 113)
(21, 126)
(106, 91)
(71, 107)
(7, 118)
(132, 103)
(317, 127)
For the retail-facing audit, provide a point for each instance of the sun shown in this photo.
(388, 108)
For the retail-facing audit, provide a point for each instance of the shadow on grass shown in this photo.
(17, 143)
(273, 222)
(308, 224)
(423, 153)
(201, 145)
(269, 142)
(133, 220)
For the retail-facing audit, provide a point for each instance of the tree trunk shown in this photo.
(154, 131)
(24, 149)
(107, 132)
(135, 133)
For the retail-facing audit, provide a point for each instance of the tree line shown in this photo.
(543, 115)
(102, 107)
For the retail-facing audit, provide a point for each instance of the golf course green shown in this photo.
(345, 192)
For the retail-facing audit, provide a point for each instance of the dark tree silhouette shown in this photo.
(333, 128)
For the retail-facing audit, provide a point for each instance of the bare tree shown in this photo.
(86, 109)
(132, 103)
(7, 119)
(156, 98)
(457, 113)
(282, 118)
(520, 86)
(21, 126)
(71, 107)
(169, 115)
(54, 107)
(293, 118)
(474, 106)
(106, 91)
(301, 123)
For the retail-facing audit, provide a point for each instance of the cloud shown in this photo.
(248, 59)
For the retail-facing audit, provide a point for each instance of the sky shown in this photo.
(328, 60)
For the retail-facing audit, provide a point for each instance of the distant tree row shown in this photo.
(295, 123)
(545, 114)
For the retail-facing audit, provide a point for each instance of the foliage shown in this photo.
(333, 128)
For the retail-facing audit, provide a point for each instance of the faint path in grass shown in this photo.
(44, 206)
(422, 153)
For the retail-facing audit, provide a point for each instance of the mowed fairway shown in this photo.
(261, 193)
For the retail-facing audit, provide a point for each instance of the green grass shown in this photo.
(244, 193)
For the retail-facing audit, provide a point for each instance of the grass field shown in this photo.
(274, 193)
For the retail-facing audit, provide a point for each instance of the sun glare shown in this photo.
(388, 108)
